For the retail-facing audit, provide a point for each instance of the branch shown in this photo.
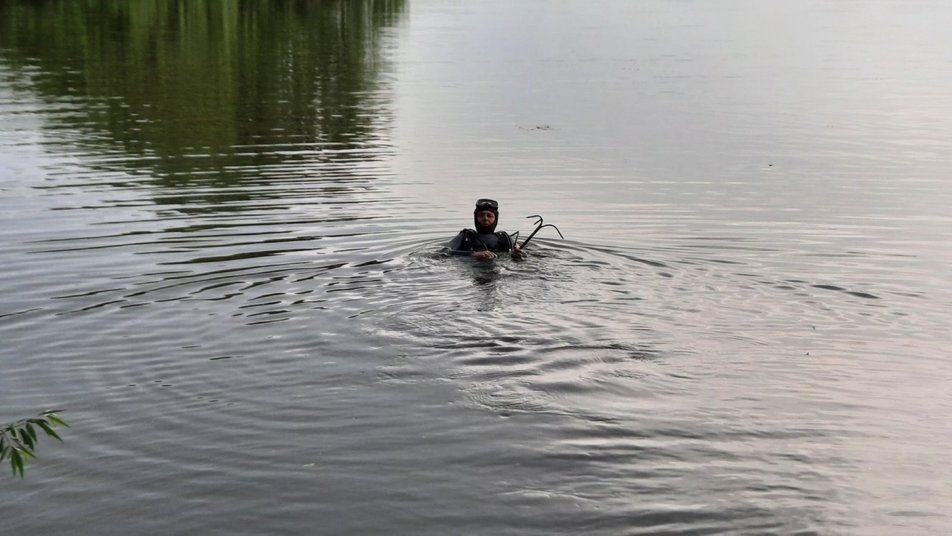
(18, 440)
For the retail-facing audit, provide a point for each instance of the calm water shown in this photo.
(219, 234)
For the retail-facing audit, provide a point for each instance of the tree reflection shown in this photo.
(183, 88)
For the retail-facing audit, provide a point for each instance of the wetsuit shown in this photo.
(468, 241)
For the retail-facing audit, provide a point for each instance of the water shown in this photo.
(219, 227)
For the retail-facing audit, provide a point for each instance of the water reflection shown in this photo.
(212, 102)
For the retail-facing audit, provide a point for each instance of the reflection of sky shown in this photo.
(713, 117)
(24, 164)
(50, 184)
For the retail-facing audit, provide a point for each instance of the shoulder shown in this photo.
(463, 239)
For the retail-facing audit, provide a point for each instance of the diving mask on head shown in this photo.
(487, 204)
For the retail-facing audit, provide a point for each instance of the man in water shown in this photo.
(484, 242)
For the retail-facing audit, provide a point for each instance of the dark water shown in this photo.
(219, 226)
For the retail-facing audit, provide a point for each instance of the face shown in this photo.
(486, 218)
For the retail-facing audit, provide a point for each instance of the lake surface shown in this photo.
(220, 237)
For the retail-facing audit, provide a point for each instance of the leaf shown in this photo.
(56, 421)
(27, 440)
(49, 431)
(30, 430)
(17, 463)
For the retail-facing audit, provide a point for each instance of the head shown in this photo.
(486, 215)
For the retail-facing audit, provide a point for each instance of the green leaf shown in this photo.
(30, 430)
(16, 461)
(49, 431)
(56, 421)
(27, 440)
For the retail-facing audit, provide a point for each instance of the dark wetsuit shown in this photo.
(468, 241)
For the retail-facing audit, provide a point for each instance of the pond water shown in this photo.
(220, 236)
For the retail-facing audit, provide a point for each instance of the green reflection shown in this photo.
(183, 88)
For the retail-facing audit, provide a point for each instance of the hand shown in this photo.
(518, 253)
(484, 254)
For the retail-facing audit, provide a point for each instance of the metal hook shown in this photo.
(540, 226)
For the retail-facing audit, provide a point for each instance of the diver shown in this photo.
(484, 242)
